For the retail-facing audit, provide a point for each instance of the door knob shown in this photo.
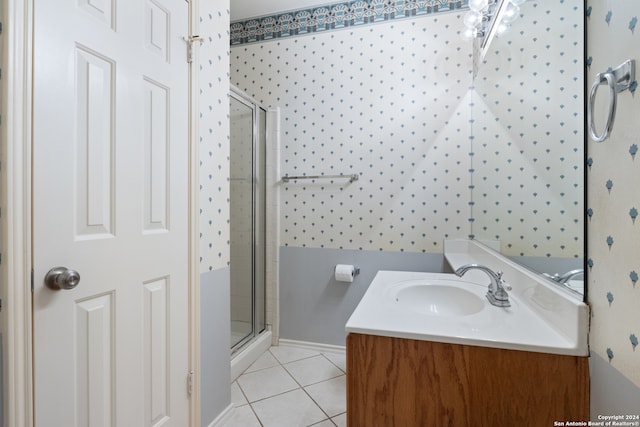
(59, 278)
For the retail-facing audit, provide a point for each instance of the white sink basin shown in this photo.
(436, 298)
(446, 308)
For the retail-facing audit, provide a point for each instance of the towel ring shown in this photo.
(619, 79)
(610, 80)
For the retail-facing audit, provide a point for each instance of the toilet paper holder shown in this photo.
(345, 272)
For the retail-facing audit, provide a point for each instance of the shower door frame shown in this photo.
(259, 211)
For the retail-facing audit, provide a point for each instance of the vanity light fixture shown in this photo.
(489, 18)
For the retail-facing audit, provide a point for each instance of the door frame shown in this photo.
(16, 171)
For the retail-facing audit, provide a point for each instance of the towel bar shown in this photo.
(351, 178)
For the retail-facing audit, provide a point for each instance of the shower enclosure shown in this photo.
(247, 213)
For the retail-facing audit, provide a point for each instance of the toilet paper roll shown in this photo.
(345, 273)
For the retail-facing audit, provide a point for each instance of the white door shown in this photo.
(110, 201)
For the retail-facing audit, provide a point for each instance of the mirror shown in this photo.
(527, 127)
(528, 138)
(493, 27)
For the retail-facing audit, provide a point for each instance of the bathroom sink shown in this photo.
(437, 299)
(446, 308)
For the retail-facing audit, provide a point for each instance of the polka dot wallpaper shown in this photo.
(214, 136)
(389, 102)
(437, 157)
(613, 170)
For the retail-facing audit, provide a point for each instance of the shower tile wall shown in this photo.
(613, 203)
(389, 102)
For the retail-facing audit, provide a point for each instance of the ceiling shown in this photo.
(243, 9)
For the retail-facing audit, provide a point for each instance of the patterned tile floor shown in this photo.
(291, 387)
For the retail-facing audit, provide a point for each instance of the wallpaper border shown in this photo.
(334, 17)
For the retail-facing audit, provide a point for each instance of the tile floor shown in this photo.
(291, 387)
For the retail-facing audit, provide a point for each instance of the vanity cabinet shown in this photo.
(411, 383)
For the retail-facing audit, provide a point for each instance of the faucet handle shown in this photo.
(501, 282)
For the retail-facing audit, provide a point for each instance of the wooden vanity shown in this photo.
(412, 383)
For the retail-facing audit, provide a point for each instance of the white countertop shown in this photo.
(539, 320)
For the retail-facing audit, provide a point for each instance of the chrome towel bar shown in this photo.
(351, 178)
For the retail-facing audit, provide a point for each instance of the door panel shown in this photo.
(156, 354)
(94, 148)
(102, 10)
(156, 119)
(94, 339)
(110, 162)
(156, 29)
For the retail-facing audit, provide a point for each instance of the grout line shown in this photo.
(300, 360)
(318, 405)
(318, 423)
(296, 360)
(334, 364)
(317, 382)
(275, 395)
(300, 386)
(256, 415)
(242, 391)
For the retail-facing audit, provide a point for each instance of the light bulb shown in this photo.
(468, 34)
(502, 29)
(478, 5)
(472, 19)
(511, 13)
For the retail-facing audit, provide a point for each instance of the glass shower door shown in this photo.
(247, 219)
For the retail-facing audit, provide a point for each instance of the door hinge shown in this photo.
(190, 41)
(190, 383)
(32, 281)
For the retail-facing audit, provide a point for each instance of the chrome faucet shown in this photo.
(497, 295)
(564, 278)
